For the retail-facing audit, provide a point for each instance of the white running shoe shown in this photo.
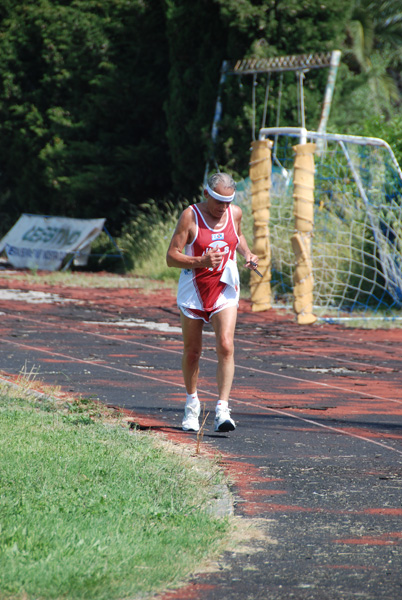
(190, 419)
(223, 421)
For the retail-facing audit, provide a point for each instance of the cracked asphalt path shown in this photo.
(315, 461)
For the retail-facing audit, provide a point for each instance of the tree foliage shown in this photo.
(81, 123)
(197, 42)
(274, 28)
(105, 104)
(374, 48)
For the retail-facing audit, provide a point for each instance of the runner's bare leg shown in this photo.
(192, 340)
(224, 323)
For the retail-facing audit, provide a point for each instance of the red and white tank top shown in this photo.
(202, 288)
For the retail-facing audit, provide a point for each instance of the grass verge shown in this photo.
(89, 510)
(86, 280)
(390, 319)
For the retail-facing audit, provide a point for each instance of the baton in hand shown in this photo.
(254, 265)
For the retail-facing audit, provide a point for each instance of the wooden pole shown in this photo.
(303, 208)
(260, 175)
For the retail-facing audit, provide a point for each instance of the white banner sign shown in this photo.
(37, 242)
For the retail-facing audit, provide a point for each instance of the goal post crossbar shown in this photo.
(303, 135)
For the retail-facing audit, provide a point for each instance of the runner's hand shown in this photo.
(252, 262)
(212, 259)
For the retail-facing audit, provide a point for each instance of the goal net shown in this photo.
(356, 246)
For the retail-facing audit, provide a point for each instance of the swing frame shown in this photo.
(298, 63)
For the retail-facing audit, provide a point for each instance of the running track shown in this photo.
(316, 459)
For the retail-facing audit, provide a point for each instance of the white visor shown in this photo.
(219, 196)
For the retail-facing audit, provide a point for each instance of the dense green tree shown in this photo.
(105, 104)
(373, 48)
(385, 128)
(275, 28)
(81, 120)
(197, 43)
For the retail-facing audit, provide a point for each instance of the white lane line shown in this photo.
(176, 384)
(317, 424)
(170, 329)
(87, 362)
(321, 384)
(284, 349)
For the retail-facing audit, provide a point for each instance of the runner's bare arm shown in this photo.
(184, 234)
(242, 248)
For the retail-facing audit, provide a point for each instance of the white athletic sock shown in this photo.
(192, 400)
(222, 404)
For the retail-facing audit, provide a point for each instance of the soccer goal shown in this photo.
(356, 239)
(326, 207)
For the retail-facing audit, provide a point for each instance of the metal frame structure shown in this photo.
(296, 62)
(299, 63)
(304, 135)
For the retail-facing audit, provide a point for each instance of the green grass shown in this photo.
(145, 241)
(390, 319)
(87, 280)
(89, 510)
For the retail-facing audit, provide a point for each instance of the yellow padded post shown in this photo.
(260, 175)
(303, 210)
